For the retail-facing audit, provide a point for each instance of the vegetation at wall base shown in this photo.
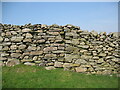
(23, 76)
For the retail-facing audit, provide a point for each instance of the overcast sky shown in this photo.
(98, 16)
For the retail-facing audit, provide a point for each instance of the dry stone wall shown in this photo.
(56, 46)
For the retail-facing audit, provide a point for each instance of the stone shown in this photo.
(16, 39)
(86, 57)
(22, 46)
(95, 57)
(102, 54)
(43, 26)
(100, 60)
(26, 57)
(35, 58)
(8, 33)
(71, 34)
(109, 57)
(30, 48)
(41, 41)
(13, 33)
(58, 64)
(50, 64)
(37, 62)
(36, 53)
(80, 69)
(47, 56)
(26, 30)
(6, 39)
(97, 42)
(75, 65)
(83, 46)
(116, 34)
(69, 57)
(50, 68)
(47, 49)
(29, 63)
(3, 58)
(68, 41)
(28, 35)
(80, 61)
(1, 39)
(53, 33)
(94, 33)
(6, 43)
(67, 65)
(27, 40)
(12, 62)
(26, 60)
(75, 41)
(13, 47)
(15, 55)
(5, 48)
(4, 54)
(58, 51)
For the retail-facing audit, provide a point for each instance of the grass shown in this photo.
(21, 76)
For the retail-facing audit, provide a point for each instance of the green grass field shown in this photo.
(21, 76)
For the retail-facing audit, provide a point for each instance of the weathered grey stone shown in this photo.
(83, 46)
(13, 33)
(100, 60)
(80, 69)
(67, 65)
(50, 68)
(8, 34)
(116, 34)
(27, 60)
(13, 47)
(36, 53)
(94, 33)
(53, 33)
(102, 54)
(5, 48)
(75, 41)
(69, 57)
(75, 65)
(68, 41)
(16, 55)
(29, 63)
(43, 26)
(12, 62)
(95, 57)
(49, 49)
(4, 54)
(35, 58)
(1, 39)
(27, 40)
(16, 39)
(28, 35)
(47, 56)
(3, 58)
(86, 57)
(50, 64)
(41, 41)
(58, 51)
(22, 46)
(6, 39)
(26, 30)
(58, 64)
(80, 61)
(31, 48)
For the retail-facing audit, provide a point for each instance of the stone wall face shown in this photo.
(55, 46)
